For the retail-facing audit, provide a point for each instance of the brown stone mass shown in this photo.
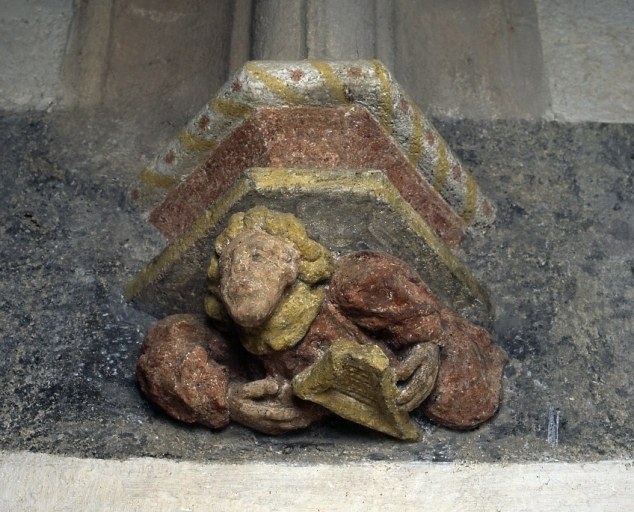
(185, 368)
(378, 299)
(304, 137)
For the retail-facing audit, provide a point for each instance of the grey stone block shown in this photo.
(345, 211)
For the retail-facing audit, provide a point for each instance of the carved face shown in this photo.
(255, 269)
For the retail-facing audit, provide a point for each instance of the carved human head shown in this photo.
(259, 254)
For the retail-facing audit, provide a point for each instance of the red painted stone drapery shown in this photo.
(196, 374)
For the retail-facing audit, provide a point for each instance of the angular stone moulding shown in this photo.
(304, 137)
(345, 210)
(320, 84)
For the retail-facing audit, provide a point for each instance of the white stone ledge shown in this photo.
(37, 482)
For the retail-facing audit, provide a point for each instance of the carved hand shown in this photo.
(267, 405)
(416, 375)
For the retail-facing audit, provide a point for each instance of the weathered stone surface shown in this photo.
(368, 350)
(379, 324)
(185, 367)
(356, 382)
(320, 83)
(384, 296)
(256, 268)
(70, 342)
(267, 275)
(343, 210)
(469, 385)
(309, 138)
(195, 375)
(268, 405)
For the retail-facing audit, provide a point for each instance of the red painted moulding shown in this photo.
(304, 137)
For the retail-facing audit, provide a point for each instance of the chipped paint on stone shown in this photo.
(330, 204)
(306, 137)
(320, 83)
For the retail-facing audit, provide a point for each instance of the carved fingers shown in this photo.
(267, 405)
(417, 375)
(257, 389)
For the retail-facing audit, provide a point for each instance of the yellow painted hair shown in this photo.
(316, 262)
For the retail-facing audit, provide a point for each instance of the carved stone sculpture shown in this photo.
(294, 334)
(310, 210)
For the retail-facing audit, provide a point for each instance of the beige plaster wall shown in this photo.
(44, 482)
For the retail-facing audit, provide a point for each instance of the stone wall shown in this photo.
(588, 52)
(33, 35)
(160, 60)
